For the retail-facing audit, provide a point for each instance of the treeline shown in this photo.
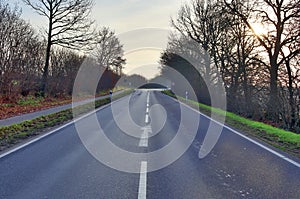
(23, 56)
(253, 45)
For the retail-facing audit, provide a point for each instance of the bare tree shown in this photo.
(20, 57)
(241, 67)
(68, 26)
(260, 70)
(275, 16)
(195, 22)
(109, 51)
(289, 78)
(221, 43)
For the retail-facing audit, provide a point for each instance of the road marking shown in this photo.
(147, 119)
(144, 141)
(147, 109)
(148, 97)
(143, 181)
(145, 136)
(243, 136)
(56, 130)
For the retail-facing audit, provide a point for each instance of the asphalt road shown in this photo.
(60, 166)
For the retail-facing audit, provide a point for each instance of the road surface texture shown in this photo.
(59, 166)
(30, 116)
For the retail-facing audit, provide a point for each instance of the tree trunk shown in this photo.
(248, 106)
(47, 60)
(46, 71)
(273, 104)
(292, 120)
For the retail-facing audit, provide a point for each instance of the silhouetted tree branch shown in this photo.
(68, 26)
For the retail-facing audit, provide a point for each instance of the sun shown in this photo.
(258, 29)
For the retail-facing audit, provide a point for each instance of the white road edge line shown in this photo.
(55, 130)
(245, 137)
(143, 181)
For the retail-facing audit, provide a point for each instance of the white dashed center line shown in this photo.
(144, 143)
(147, 109)
(143, 181)
(147, 119)
(145, 136)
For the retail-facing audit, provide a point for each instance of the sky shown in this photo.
(143, 27)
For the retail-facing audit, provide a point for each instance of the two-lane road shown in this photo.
(59, 165)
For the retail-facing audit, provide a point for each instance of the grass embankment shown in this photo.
(14, 134)
(279, 138)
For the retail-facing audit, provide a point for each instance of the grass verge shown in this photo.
(279, 138)
(14, 134)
